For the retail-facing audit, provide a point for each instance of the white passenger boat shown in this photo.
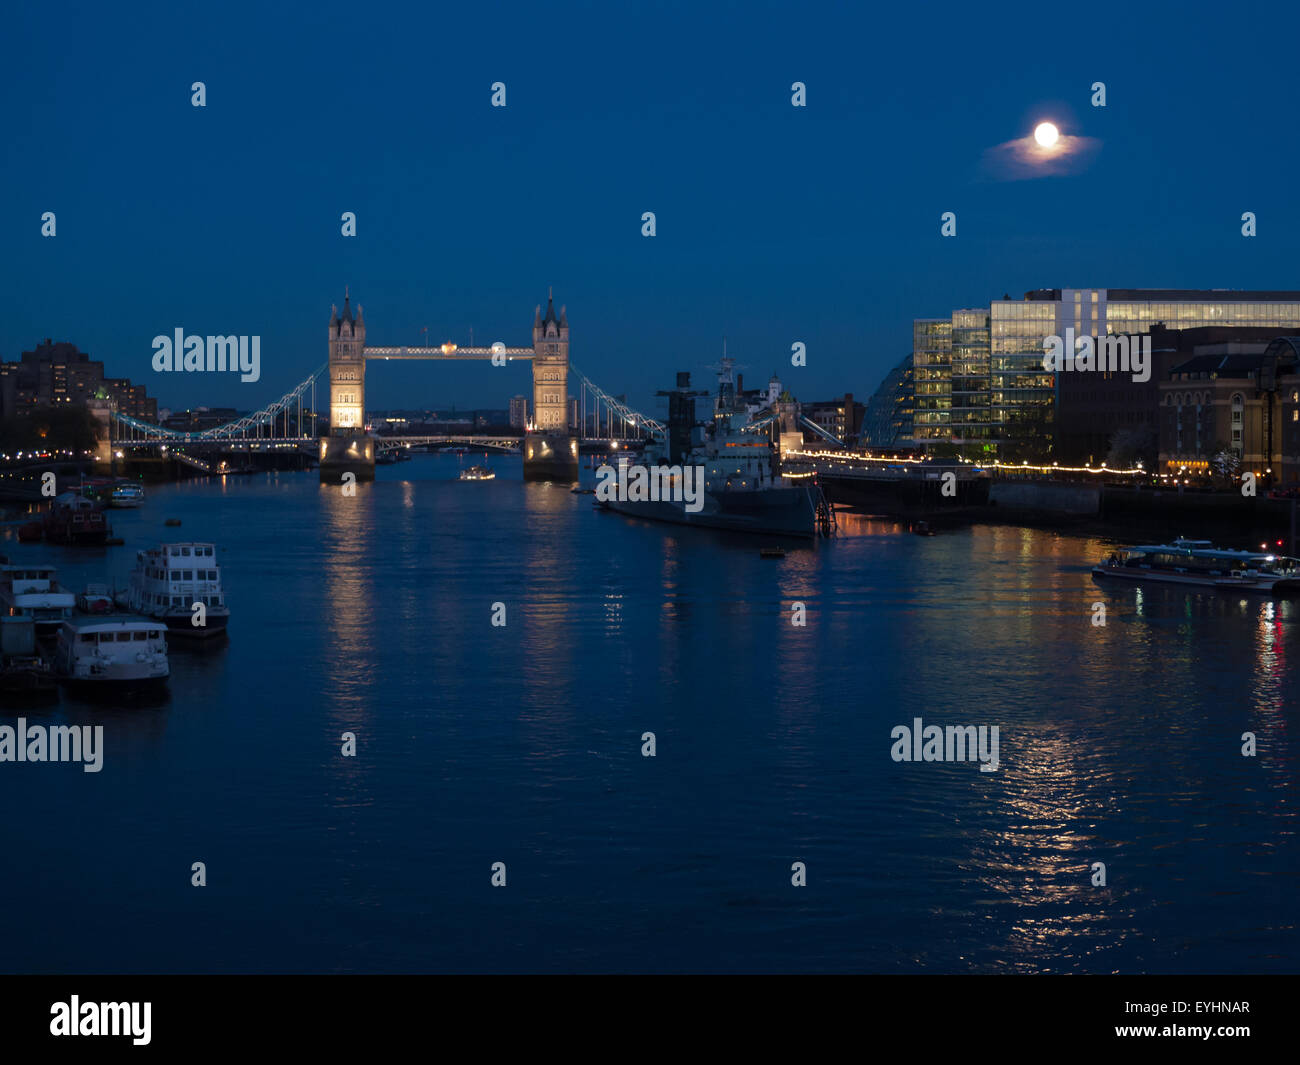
(34, 592)
(477, 473)
(1197, 563)
(126, 494)
(112, 652)
(170, 580)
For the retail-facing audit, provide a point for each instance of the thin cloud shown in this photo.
(1025, 159)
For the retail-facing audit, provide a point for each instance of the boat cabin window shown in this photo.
(123, 637)
(85, 637)
(137, 636)
(175, 574)
(185, 552)
(187, 575)
(153, 634)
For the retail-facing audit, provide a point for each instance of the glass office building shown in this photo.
(1021, 392)
(970, 421)
(951, 379)
(1135, 310)
(931, 379)
(888, 419)
(979, 378)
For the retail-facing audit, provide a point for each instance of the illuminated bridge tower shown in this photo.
(348, 448)
(550, 447)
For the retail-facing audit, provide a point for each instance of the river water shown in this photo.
(522, 744)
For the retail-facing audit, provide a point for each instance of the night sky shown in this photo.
(775, 224)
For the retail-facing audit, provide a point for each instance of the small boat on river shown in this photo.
(1198, 564)
(125, 494)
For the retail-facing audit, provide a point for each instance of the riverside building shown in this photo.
(58, 374)
(1237, 397)
(887, 422)
(1005, 403)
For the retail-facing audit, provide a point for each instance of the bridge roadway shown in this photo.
(496, 443)
(447, 351)
(588, 445)
(507, 444)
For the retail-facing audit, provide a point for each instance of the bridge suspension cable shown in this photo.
(240, 428)
(235, 429)
(825, 434)
(629, 416)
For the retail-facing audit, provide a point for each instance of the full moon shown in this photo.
(1045, 134)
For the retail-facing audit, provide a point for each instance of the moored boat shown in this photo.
(477, 473)
(126, 494)
(96, 599)
(112, 653)
(168, 583)
(24, 671)
(1198, 564)
(75, 519)
(736, 475)
(30, 591)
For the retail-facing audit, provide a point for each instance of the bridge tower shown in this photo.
(348, 447)
(550, 448)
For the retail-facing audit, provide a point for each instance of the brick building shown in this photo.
(1092, 407)
(57, 375)
(1238, 396)
(840, 417)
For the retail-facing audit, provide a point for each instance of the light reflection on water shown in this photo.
(372, 614)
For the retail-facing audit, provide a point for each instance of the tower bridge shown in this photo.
(550, 446)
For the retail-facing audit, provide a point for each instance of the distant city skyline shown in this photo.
(775, 224)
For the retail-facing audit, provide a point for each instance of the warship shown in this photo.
(746, 488)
